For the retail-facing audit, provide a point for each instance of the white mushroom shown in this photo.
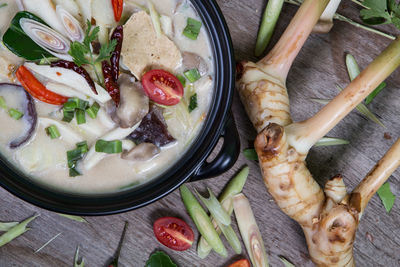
(142, 152)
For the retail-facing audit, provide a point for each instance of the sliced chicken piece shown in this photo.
(142, 50)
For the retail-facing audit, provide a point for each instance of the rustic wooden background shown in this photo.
(318, 68)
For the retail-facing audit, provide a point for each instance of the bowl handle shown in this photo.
(226, 157)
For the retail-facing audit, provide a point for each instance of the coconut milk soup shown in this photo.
(95, 98)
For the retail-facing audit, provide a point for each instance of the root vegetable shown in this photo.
(329, 219)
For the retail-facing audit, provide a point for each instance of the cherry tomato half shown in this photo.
(173, 233)
(241, 263)
(162, 87)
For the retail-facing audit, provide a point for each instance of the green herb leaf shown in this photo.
(375, 93)
(182, 79)
(160, 259)
(379, 12)
(387, 197)
(193, 103)
(73, 217)
(15, 114)
(106, 50)
(192, 75)
(78, 52)
(250, 154)
(53, 132)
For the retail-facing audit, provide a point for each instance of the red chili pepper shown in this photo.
(37, 89)
(81, 71)
(118, 35)
(118, 7)
(111, 86)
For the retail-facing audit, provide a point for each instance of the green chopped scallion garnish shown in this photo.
(192, 29)
(73, 156)
(193, 103)
(182, 79)
(192, 75)
(15, 114)
(83, 146)
(73, 172)
(80, 116)
(53, 132)
(68, 116)
(80, 104)
(93, 110)
(109, 147)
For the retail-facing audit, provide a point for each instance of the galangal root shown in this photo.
(329, 219)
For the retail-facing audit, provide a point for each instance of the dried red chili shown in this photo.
(111, 85)
(81, 71)
(118, 35)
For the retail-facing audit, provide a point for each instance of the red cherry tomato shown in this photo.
(173, 233)
(162, 87)
(241, 263)
(118, 7)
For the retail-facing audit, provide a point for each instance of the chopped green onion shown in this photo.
(15, 114)
(3, 104)
(68, 116)
(215, 208)
(73, 172)
(53, 132)
(192, 29)
(202, 221)
(73, 156)
(15, 231)
(109, 147)
(182, 79)
(83, 146)
(192, 75)
(93, 110)
(80, 104)
(70, 106)
(80, 116)
(193, 103)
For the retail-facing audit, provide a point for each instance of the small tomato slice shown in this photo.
(162, 87)
(37, 89)
(118, 7)
(173, 233)
(241, 263)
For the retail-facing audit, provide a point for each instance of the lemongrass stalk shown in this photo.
(302, 136)
(215, 208)
(250, 232)
(202, 221)
(329, 141)
(280, 59)
(325, 22)
(362, 194)
(269, 20)
(352, 67)
(234, 187)
(77, 262)
(231, 237)
(5, 226)
(16, 231)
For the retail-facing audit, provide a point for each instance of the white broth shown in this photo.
(45, 159)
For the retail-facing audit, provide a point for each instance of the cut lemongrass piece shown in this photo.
(215, 208)
(5, 226)
(330, 141)
(234, 187)
(16, 231)
(231, 237)
(249, 230)
(73, 217)
(202, 221)
(78, 262)
(155, 18)
(352, 67)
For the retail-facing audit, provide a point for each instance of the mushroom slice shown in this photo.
(142, 152)
(194, 61)
(134, 103)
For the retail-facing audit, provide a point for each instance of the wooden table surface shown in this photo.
(318, 68)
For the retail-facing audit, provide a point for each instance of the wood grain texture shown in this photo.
(318, 68)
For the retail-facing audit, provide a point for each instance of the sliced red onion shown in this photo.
(47, 38)
(71, 24)
(30, 115)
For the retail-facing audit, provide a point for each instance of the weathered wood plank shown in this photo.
(318, 68)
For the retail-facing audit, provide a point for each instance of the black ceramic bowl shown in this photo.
(192, 165)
